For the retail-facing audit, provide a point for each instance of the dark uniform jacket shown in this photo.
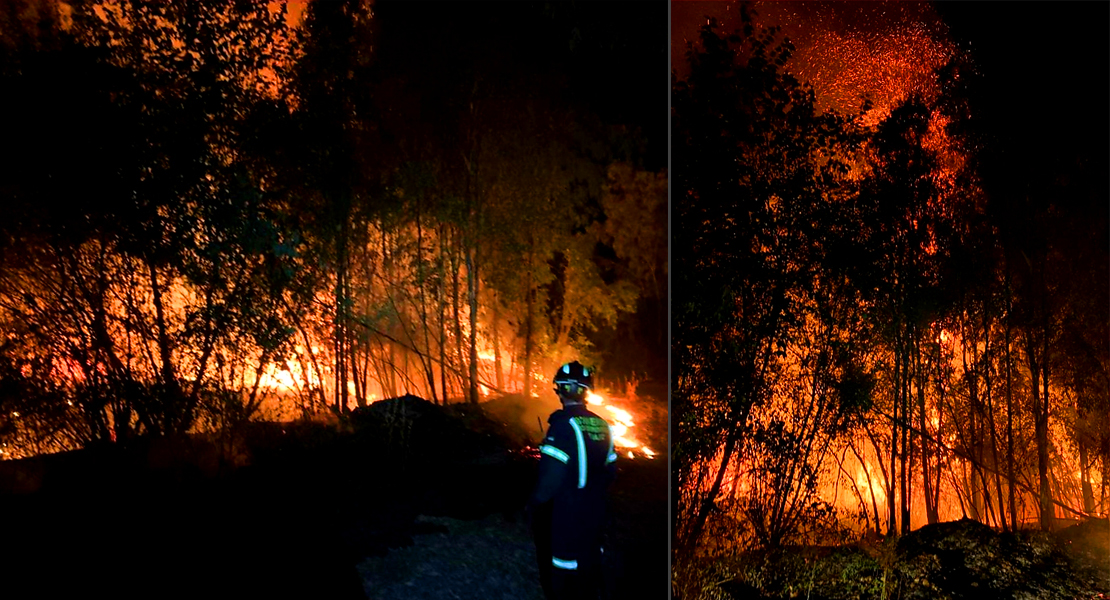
(576, 465)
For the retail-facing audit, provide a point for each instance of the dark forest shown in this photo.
(890, 298)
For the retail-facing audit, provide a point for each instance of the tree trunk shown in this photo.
(904, 393)
(1010, 409)
(458, 318)
(1084, 474)
(1040, 431)
(440, 291)
(421, 281)
(870, 489)
(169, 424)
(892, 521)
(972, 480)
(940, 400)
(495, 331)
(703, 510)
(927, 489)
(990, 419)
(340, 335)
(1047, 510)
(472, 296)
(529, 316)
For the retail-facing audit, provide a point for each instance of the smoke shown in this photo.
(526, 417)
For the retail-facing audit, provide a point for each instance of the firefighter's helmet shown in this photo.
(572, 381)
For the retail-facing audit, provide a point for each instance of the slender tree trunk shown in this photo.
(421, 277)
(319, 394)
(892, 521)
(707, 503)
(855, 488)
(870, 489)
(927, 489)
(1047, 510)
(1039, 429)
(341, 295)
(169, 422)
(970, 375)
(1102, 495)
(940, 400)
(495, 330)
(529, 316)
(394, 389)
(440, 296)
(888, 479)
(458, 318)
(472, 296)
(907, 439)
(995, 462)
(1085, 476)
(1010, 409)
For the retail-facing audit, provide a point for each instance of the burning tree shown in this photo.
(141, 301)
(747, 252)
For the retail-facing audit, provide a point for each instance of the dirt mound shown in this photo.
(420, 429)
(966, 558)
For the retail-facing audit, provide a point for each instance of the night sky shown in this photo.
(1046, 92)
(609, 57)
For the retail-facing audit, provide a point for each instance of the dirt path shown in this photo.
(488, 558)
(493, 556)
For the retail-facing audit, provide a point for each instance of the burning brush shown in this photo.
(620, 421)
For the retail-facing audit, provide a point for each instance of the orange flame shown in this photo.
(620, 422)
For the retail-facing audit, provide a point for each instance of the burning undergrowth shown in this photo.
(639, 423)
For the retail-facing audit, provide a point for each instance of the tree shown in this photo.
(755, 173)
(173, 269)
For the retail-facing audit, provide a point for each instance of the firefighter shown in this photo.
(577, 462)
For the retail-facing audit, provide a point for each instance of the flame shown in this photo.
(289, 377)
(620, 423)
